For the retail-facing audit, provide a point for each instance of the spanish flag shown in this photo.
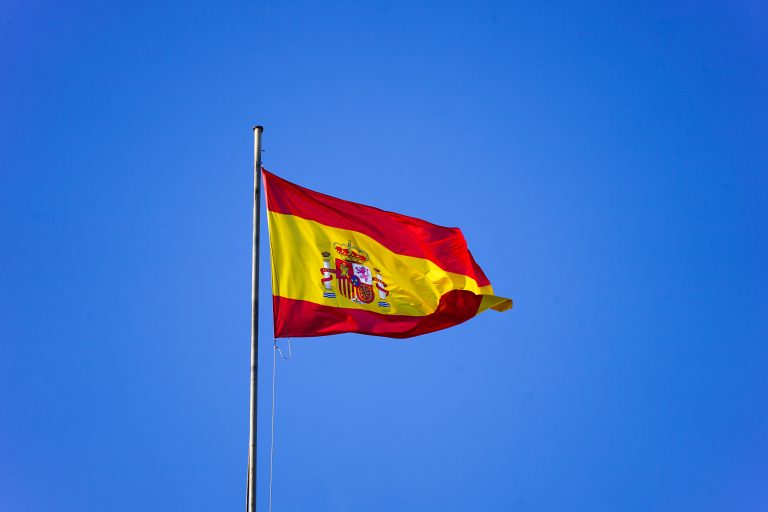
(339, 266)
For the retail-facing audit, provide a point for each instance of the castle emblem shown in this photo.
(355, 279)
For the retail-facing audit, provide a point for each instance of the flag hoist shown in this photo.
(343, 267)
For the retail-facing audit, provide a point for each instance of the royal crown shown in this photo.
(349, 252)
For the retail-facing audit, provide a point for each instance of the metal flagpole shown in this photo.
(250, 502)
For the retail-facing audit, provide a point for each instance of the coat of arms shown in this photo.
(355, 279)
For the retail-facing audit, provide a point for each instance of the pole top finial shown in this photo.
(258, 127)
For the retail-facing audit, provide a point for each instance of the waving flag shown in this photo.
(339, 266)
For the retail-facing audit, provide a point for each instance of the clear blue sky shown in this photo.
(607, 163)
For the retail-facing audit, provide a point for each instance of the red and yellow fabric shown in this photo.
(339, 266)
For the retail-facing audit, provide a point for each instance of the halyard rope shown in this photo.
(275, 350)
(272, 440)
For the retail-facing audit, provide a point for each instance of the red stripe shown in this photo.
(400, 234)
(300, 318)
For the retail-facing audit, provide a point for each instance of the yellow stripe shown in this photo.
(495, 303)
(415, 285)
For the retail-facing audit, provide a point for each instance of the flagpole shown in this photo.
(250, 503)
